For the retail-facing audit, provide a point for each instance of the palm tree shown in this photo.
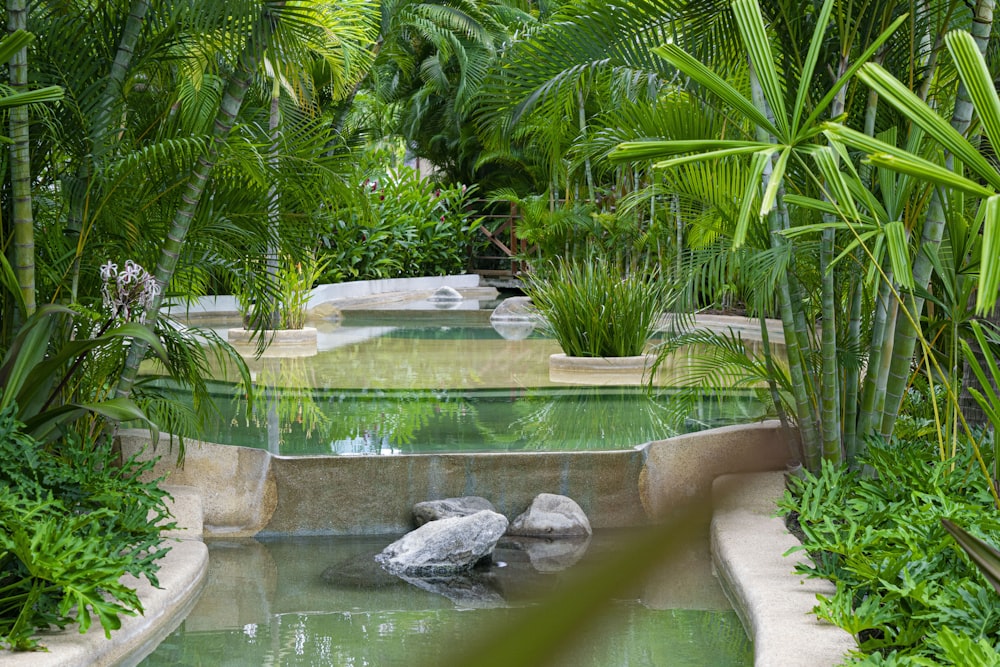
(774, 113)
(20, 281)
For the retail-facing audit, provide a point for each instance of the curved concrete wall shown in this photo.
(249, 491)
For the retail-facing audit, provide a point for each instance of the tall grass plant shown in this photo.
(595, 309)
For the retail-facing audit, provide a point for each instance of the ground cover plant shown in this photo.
(904, 588)
(73, 521)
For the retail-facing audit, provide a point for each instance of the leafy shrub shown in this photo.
(593, 309)
(406, 226)
(904, 589)
(72, 522)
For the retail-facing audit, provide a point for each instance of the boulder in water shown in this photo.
(551, 515)
(446, 508)
(444, 547)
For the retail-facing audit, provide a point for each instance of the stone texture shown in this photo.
(551, 515)
(445, 547)
(237, 485)
(375, 495)
(186, 511)
(681, 469)
(446, 508)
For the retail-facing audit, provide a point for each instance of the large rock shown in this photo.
(444, 547)
(446, 508)
(551, 515)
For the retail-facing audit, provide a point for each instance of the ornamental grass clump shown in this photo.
(595, 309)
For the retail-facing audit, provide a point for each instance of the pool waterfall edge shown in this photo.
(247, 492)
(748, 543)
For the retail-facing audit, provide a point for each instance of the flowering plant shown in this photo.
(128, 292)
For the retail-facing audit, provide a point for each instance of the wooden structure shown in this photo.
(504, 254)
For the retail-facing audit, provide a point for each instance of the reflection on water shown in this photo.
(304, 421)
(318, 601)
(398, 387)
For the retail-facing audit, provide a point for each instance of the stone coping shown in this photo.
(775, 605)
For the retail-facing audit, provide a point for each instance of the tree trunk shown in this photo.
(101, 127)
(20, 167)
(170, 251)
(933, 231)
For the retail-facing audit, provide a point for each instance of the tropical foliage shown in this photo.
(72, 522)
(903, 588)
(597, 309)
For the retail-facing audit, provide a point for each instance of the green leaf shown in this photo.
(899, 252)
(652, 149)
(925, 170)
(826, 159)
(822, 23)
(715, 84)
(751, 24)
(898, 95)
(775, 181)
(852, 70)
(989, 268)
(712, 155)
(757, 166)
(977, 79)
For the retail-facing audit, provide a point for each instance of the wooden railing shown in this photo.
(502, 258)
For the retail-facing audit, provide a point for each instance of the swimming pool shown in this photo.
(399, 384)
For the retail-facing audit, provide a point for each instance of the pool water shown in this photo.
(399, 386)
(430, 383)
(323, 601)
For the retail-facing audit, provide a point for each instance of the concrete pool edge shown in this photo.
(748, 545)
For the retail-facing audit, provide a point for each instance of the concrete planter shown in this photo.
(600, 370)
(282, 342)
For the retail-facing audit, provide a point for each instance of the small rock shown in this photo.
(446, 508)
(444, 547)
(515, 318)
(551, 515)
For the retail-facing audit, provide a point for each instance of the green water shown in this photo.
(397, 386)
(319, 601)
(294, 421)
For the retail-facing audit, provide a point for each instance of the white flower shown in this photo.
(108, 271)
(130, 293)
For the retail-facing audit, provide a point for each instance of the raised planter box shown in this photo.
(282, 342)
(600, 370)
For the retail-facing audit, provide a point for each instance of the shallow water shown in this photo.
(322, 601)
(401, 386)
